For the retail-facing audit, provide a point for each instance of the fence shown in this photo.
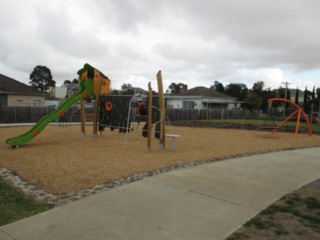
(33, 114)
(207, 114)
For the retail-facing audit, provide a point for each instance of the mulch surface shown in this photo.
(60, 160)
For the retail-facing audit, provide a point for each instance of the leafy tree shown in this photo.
(41, 79)
(314, 101)
(237, 90)
(288, 98)
(66, 82)
(305, 100)
(115, 92)
(318, 98)
(126, 86)
(313, 94)
(263, 94)
(218, 86)
(175, 88)
(318, 93)
(253, 101)
(267, 94)
(73, 82)
(258, 87)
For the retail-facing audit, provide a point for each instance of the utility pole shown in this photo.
(285, 96)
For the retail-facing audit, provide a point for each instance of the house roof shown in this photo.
(11, 86)
(293, 92)
(204, 92)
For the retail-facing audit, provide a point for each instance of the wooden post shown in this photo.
(149, 117)
(162, 111)
(82, 116)
(96, 106)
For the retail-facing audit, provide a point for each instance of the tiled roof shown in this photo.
(11, 86)
(204, 92)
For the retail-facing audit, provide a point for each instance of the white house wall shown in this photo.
(25, 101)
(198, 103)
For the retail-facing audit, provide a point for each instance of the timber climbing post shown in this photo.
(96, 103)
(149, 117)
(162, 111)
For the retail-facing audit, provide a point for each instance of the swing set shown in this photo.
(299, 111)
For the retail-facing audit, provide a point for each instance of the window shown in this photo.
(36, 103)
(188, 104)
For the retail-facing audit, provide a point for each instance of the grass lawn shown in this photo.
(14, 205)
(260, 122)
(294, 216)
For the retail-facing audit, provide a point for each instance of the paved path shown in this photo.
(209, 201)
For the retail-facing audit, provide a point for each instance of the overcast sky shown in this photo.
(195, 42)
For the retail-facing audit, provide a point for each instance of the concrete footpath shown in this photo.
(209, 201)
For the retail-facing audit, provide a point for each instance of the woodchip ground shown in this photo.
(60, 160)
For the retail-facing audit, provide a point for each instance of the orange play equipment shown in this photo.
(298, 111)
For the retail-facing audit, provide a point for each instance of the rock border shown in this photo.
(55, 200)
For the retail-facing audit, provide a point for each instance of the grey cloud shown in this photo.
(204, 40)
(286, 29)
(56, 28)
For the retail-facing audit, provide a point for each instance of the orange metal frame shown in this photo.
(298, 111)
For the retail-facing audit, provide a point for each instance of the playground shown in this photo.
(75, 157)
(60, 160)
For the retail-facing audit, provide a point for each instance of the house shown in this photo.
(56, 95)
(200, 98)
(139, 91)
(15, 93)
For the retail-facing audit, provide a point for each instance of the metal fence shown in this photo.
(207, 114)
(32, 114)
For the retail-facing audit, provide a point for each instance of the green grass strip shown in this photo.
(14, 205)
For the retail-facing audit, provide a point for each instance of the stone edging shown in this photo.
(54, 200)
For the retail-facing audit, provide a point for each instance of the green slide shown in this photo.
(86, 88)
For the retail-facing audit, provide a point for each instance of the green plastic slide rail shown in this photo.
(86, 88)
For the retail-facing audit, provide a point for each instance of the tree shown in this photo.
(318, 93)
(267, 94)
(218, 86)
(296, 100)
(41, 79)
(75, 81)
(175, 88)
(258, 87)
(313, 93)
(66, 82)
(318, 98)
(305, 100)
(253, 101)
(237, 90)
(126, 86)
(314, 102)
